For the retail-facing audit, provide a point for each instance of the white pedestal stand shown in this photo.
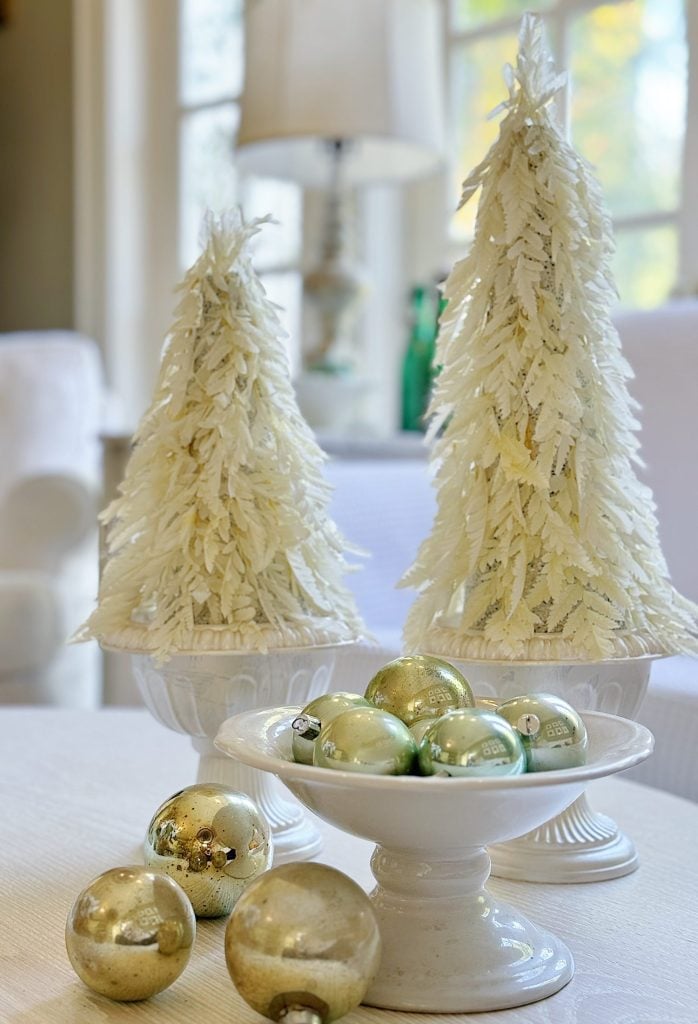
(196, 693)
(449, 946)
(578, 845)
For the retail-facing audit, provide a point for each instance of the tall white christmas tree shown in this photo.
(220, 539)
(544, 544)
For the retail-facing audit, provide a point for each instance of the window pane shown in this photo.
(208, 178)
(286, 290)
(646, 265)
(469, 13)
(211, 50)
(277, 243)
(477, 88)
(629, 100)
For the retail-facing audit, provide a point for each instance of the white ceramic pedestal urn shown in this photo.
(448, 945)
(577, 845)
(195, 693)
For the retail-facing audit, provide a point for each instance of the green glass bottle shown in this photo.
(418, 358)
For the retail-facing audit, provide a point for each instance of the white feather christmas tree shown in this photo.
(544, 544)
(220, 539)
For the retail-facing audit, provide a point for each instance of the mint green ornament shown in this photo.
(308, 724)
(552, 732)
(419, 728)
(366, 740)
(469, 742)
(419, 686)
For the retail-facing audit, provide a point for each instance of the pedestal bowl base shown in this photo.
(449, 946)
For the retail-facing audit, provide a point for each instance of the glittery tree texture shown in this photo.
(544, 544)
(220, 539)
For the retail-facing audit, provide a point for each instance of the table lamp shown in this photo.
(337, 95)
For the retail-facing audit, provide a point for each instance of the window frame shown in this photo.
(558, 20)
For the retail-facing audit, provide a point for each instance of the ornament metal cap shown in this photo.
(528, 725)
(307, 726)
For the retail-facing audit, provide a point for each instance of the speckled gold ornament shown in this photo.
(471, 741)
(211, 840)
(419, 686)
(552, 732)
(306, 726)
(303, 944)
(129, 933)
(366, 740)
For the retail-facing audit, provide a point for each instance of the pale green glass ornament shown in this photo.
(307, 726)
(419, 728)
(487, 703)
(469, 742)
(366, 740)
(419, 686)
(552, 732)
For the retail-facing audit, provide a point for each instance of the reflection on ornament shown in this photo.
(306, 726)
(471, 741)
(213, 841)
(419, 686)
(303, 944)
(129, 933)
(366, 740)
(552, 732)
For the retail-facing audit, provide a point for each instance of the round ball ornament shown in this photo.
(471, 742)
(418, 729)
(487, 703)
(129, 933)
(552, 732)
(306, 726)
(419, 686)
(213, 842)
(303, 944)
(366, 740)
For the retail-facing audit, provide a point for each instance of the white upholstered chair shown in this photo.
(50, 411)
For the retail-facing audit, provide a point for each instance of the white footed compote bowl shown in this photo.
(196, 693)
(448, 945)
(578, 845)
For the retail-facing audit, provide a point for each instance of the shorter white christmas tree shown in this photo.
(545, 543)
(220, 539)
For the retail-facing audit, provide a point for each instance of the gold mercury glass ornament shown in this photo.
(129, 933)
(211, 840)
(471, 742)
(419, 686)
(302, 945)
(552, 732)
(307, 725)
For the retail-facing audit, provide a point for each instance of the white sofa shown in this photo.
(50, 412)
(386, 506)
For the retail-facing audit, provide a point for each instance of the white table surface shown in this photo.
(78, 789)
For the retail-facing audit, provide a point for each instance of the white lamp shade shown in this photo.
(368, 72)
